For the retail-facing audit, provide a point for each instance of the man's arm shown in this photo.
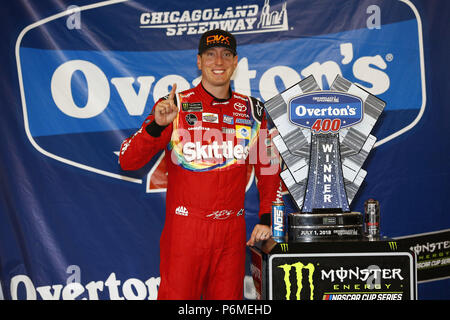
(268, 181)
(153, 136)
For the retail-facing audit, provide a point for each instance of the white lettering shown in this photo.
(152, 285)
(373, 275)
(74, 19)
(162, 86)
(96, 86)
(87, 83)
(327, 147)
(196, 151)
(75, 272)
(113, 287)
(145, 18)
(300, 111)
(47, 295)
(93, 287)
(22, 287)
(29, 287)
(379, 80)
(134, 103)
(139, 288)
(72, 291)
(374, 20)
(329, 69)
(242, 76)
(189, 151)
(267, 85)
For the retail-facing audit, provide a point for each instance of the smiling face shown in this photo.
(217, 65)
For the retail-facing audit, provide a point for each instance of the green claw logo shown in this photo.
(298, 267)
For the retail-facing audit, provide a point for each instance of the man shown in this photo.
(210, 135)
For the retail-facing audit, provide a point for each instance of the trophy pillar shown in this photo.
(325, 191)
(326, 212)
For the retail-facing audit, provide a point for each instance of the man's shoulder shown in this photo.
(240, 96)
(256, 105)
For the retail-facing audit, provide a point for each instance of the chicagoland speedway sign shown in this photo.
(239, 19)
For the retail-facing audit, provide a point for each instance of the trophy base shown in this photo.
(305, 227)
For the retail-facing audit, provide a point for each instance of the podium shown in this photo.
(334, 270)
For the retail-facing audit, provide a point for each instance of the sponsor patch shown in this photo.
(242, 132)
(239, 114)
(191, 119)
(240, 107)
(198, 128)
(181, 211)
(210, 117)
(228, 130)
(228, 119)
(244, 121)
(192, 106)
(216, 38)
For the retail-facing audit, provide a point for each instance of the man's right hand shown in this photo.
(166, 111)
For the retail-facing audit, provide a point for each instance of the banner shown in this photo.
(358, 277)
(78, 78)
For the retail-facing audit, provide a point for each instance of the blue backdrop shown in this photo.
(77, 80)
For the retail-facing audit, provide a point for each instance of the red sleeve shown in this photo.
(267, 172)
(139, 149)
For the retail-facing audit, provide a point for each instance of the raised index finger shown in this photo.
(172, 92)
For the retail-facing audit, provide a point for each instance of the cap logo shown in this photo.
(216, 38)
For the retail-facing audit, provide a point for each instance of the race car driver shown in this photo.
(211, 135)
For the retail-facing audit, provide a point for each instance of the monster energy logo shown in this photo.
(298, 267)
(393, 245)
(284, 247)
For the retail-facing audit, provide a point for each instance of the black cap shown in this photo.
(217, 38)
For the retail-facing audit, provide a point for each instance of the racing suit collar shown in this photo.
(206, 94)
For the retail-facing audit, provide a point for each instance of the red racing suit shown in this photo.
(208, 147)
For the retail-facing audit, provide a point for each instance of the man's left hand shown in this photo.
(260, 232)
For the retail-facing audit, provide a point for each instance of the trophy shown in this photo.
(324, 138)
